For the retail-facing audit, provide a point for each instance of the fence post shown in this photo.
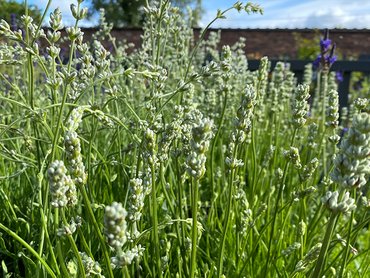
(343, 89)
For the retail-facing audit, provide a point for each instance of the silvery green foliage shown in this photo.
(199, 144)
(330, 200)
(352, 163)
(309, 258)
(73, 147)
(115, 226)
(62, 188)
(92, 268)
(300, 105)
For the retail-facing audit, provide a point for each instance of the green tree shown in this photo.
(131, 13)
(12, 11)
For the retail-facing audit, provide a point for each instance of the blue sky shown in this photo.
(277, 13)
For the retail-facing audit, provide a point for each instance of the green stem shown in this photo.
(227, 220)
(59, 246)
(194, 228)
(215, 141)
(155, 238)
(74, 248)
(97, 230)
(325, 245)
(346, 251)
(65, 93)
(29, 248)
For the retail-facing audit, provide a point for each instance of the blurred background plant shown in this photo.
(11, 11)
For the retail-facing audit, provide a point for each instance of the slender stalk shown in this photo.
(81, 268)
(194, 228)
(325, 245)
(346, 251)
(156, 255)
(227, 220)
(97, 230)
(29, 248)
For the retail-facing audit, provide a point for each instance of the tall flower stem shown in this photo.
(325, 245)
(276, 211)
(157, 265)
(29, 248)
(324, 86)
(74, 248)
(59, 247)
(227, 220)
(346, 251)
(97, 230)
(194, 229)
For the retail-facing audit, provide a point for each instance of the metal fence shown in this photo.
(345, 67)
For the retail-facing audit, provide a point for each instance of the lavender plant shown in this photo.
(158, 162)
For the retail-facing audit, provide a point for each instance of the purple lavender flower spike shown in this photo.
(325, 44)
(317, 61)
(13, 21)
(339, 76)
(331, 59)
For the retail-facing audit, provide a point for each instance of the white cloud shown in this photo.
(299, 14)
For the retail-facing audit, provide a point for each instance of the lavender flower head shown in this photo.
(339, 76)
(326, 58)
(13, 21)
(325, 44)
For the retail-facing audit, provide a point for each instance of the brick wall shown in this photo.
(274, 43)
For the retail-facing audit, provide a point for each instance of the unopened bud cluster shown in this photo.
(292, 155)
(62, 188)
(309, 258)
(73, 147)
(332, 111)
(331, 201)
(199, 144)
(125, 258)
(92, 268)
(352, 164)
(243, 120)
(115, 225)
(300, 105)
